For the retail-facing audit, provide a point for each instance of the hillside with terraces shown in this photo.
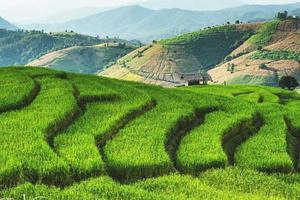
(250, 53)
(166, 62)
(70, 136)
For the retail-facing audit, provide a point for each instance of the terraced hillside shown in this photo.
(70, 136)
(166, 61)
(82, 59)
(271, 53)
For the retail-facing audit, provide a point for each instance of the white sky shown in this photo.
(23, 10)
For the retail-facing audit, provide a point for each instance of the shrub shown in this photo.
(288, 82)
(263, 66)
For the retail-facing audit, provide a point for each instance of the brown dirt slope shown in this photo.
(167, 64)
(154, 63)
(286, 37)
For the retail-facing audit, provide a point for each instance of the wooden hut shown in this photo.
(195, 78)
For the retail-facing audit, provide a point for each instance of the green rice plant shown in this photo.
(102, 188)
(106, 188)
(283, 97)
(252, 97)
(217, 144)
(74, 131)
(230, 91)
(267, 150)
(268, 97)
(17, 90)
(35, 72)
(248, 181)
(101, 119)
(25, 153)
(259, 94)
(292, 120)
(172, 187)
(291, 179)
(213, 144)
(187, 187)
(139, 150)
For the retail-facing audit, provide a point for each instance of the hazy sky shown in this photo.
(23, 10)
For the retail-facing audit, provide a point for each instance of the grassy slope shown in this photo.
(264, 34)
(212, 45)
(19, 48)
(57, 161)
(82, 59)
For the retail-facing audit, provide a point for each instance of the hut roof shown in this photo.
(195, 76)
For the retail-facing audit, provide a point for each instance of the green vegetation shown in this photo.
(16, 90)
(282, 15)
(21, 47)
(285, 16)
(71, 136)
(32, 158)
(114, 105)
(88, 59)
(248, 181)
(146, 156)
(276, 55)
(267, 150)
(254, 80)
(216, 150)
(210, 46)
(288, 82)
(264, 34)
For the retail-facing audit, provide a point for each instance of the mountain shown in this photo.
(7, 25)
(192, 4)
(20, 47)
(170, 61)
(136, 22)
(64, 16)
(83, 59)
(254, 53)
(263, 59)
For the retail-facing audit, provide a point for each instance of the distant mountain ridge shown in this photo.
(192, 4)
(4, 24)
(136, 22)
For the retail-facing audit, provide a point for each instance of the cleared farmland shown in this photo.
(69, 136)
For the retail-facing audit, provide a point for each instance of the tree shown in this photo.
(282, 15)
(259, 48)
(228, 67)
(263, 66)
(288, 82)
(237, 21)
(232, 68)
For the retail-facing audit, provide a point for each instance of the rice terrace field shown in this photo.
(70, 136)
